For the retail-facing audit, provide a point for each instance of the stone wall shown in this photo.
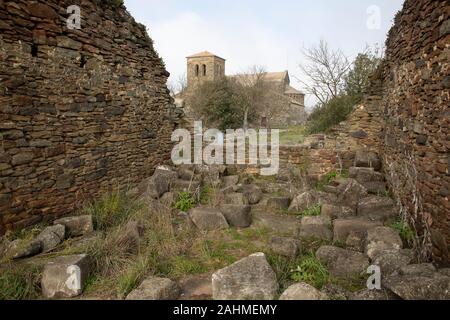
(81, 111)
(416, 76)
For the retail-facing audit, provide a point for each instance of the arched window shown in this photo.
(204, 70)
(197, 70)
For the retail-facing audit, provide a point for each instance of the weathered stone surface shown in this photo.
(287, 247)
(51, 237)
(356, 241)
(71, 127)
(253, 193)
(303, 201)
(237, 215)
(337, 212)
(185, 185)
(377, 208)
(77, 225)
(18, 249)
(251, 278)
(237, 199)
(302, 291)
(278, 203)
(391, 261)
(281, 224)
(367, 159)
(229, 181)
(131, 235)
(341, 262)
(208, 219)
(155, 288)
(350, 193)
(374, 295)
(64, 277)
(423, 269)
(196, 287)
(381, 239)
(343, 227)
(316, 228)
(419, 287)
(155, 186)
(335, 292)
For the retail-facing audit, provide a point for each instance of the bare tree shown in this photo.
(259, 96)
(178, 86)
(325, 70)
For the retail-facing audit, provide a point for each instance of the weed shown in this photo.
(312, 211)
(186, 201)
(311, 271)
(19, 283)
(111, 210)
(406, 232)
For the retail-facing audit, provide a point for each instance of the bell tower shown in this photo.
(204, 66)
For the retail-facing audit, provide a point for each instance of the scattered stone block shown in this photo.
(51, 237)
(253, 193)
(317, 228)
(278, 203)
(65, 277)
(251, 278)
(343, 227)
(238, 216)
(19, 249)
(350, 193)
(208, 219)
(155, 288)
(392, 261)
(303, 201)
(302, 292)
(286, 247)
(230, 181)
(77, 225)
(342, 262)
(337, 212)
(367, 159)
(237, 199)
(381, 239)
(377, 208)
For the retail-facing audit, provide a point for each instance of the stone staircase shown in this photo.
(345, 224)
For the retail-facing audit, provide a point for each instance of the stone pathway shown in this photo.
(345, 224)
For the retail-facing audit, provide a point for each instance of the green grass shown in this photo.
(132, 277)
(205, 195)
(406, 232)
(312, 211)
(311, 271)
(330, 177)
(112, 210)
(20, 283)
(293, 135)
(186, 201)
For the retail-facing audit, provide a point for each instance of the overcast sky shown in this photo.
(261, 32)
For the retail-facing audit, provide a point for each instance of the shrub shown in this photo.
(186, 201)
(323, 118)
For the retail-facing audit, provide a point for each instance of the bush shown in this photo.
(186, 201)
(323, 118)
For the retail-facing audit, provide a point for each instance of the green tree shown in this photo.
(358, 79)
(217, 103)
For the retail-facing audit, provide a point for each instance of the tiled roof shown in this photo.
(204, 54)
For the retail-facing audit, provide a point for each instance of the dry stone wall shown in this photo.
(81, 111)
(416, 78)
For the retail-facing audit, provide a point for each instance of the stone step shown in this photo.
(280, 224)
